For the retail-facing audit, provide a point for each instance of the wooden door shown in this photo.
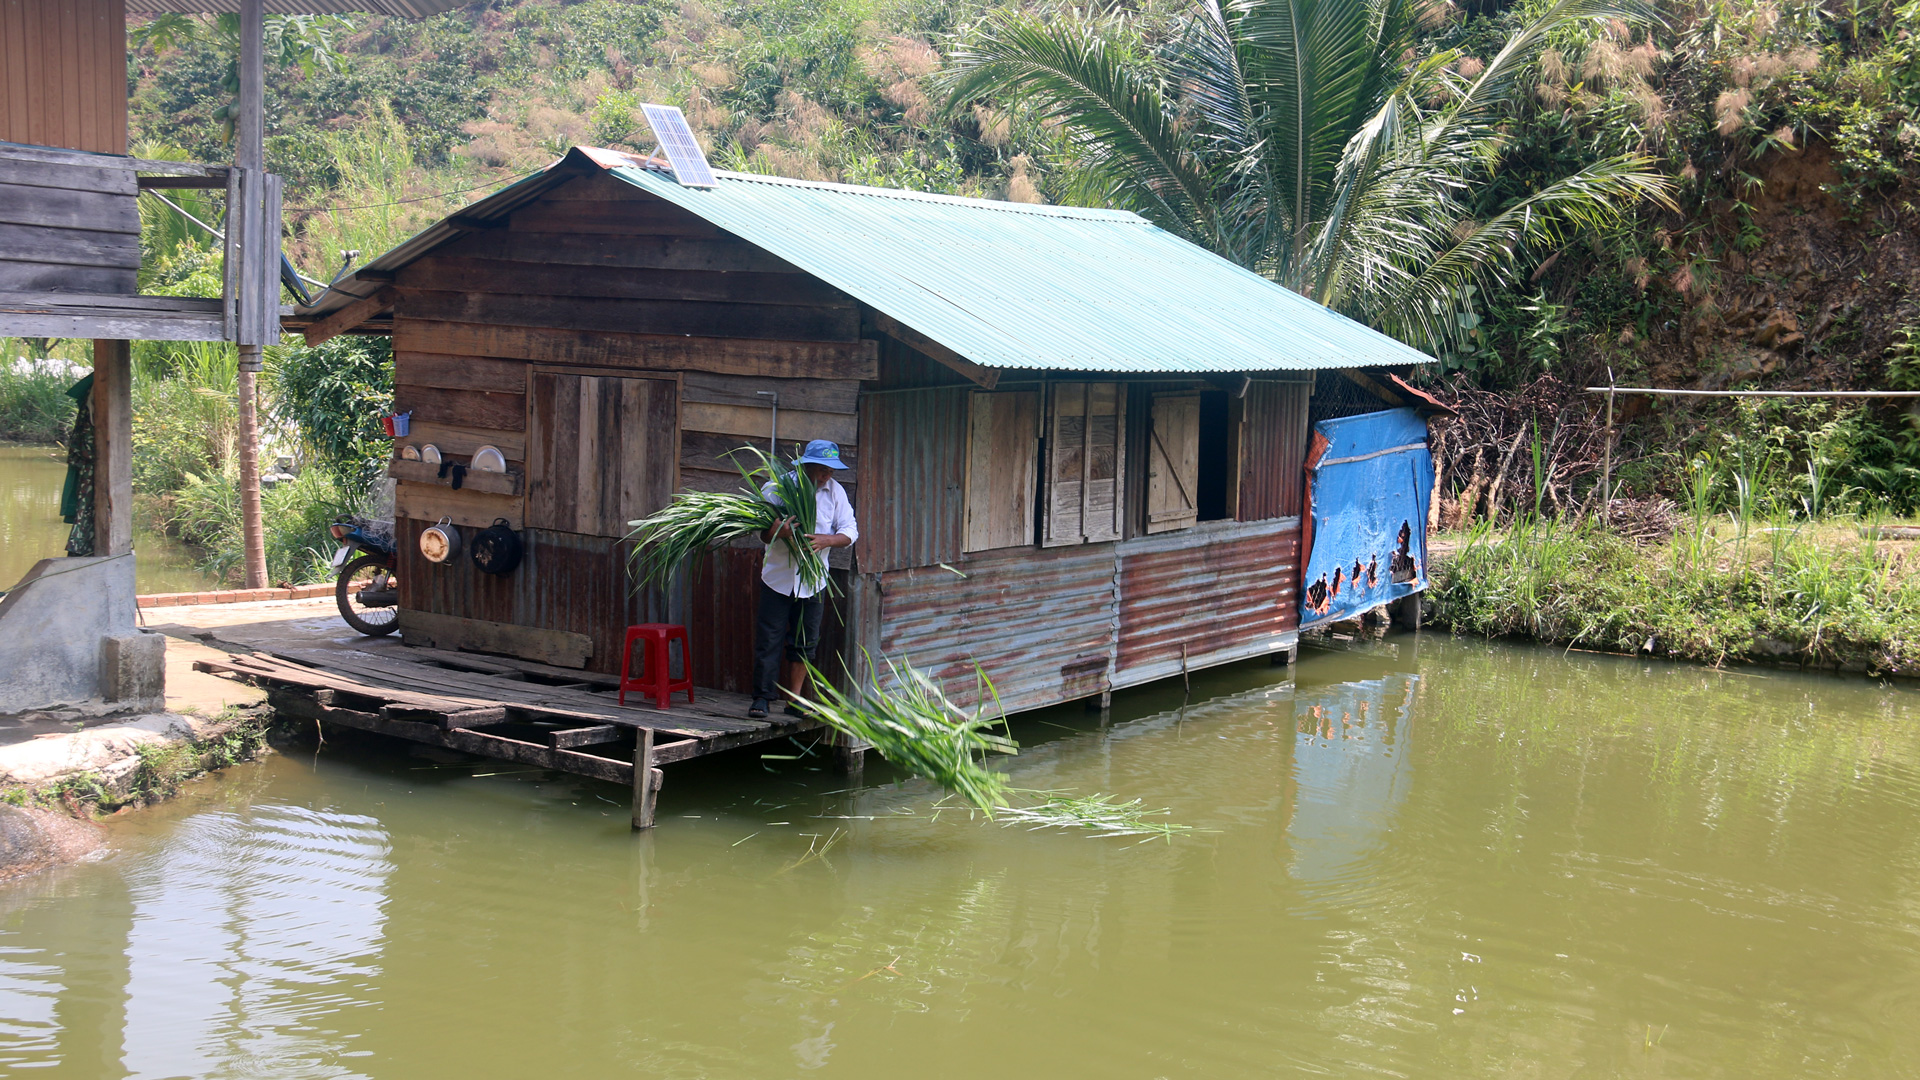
(601, 451)
(1173, 463)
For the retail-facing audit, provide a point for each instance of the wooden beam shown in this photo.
(1373, 386)
(644, 352)
(754, 424)
(597, 735)
(350, 316)
(987, 378)
(300, 706)
(112, 447)
(557, 647)
(624, 315)
(422, 472)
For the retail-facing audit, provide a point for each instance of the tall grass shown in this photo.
(1726, 588)
(34, 406)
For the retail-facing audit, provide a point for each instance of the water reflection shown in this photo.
(240, 948)
(1352, 771)
(1476, 861)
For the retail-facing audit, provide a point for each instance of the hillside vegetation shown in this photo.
(1787, 132)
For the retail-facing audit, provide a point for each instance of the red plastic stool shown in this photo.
(655, 672)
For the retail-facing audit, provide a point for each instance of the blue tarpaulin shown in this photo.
(1368, 480)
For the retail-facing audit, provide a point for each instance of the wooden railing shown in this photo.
(70, 250)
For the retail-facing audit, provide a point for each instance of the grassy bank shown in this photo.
(240, 734)
(1827, 594)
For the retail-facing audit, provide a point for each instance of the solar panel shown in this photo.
(683, 153)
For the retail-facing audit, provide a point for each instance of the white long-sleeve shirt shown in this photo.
(833, 513)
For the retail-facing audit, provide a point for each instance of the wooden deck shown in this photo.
(508, 709)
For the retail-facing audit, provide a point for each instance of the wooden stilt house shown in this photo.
(1077, 441)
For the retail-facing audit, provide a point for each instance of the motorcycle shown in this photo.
(365, 588)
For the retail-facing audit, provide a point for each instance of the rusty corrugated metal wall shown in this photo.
(913, 447)
(1058, 624)
(1039, 621)
(1206, 595)
(1273, 450)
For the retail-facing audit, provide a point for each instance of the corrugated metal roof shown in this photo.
(413, 9)
(1006, 285)
(1013, 285)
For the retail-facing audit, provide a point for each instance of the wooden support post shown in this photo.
(112, 409)
(1606, 458)
(246, 226)
(252, 534)
(646, 780)
(849, 756)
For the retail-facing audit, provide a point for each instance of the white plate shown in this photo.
(488, 459)
(430, 454)
(410, 452)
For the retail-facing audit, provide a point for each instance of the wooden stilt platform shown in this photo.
(508, 709)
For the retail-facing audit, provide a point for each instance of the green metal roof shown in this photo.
(1013, 285)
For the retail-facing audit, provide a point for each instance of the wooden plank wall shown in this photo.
(67, 226)
(597, 281)
(63, 74)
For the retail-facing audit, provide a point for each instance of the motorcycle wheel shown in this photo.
(372, 573)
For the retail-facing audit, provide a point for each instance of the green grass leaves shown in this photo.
(697, 521)
(917, 727)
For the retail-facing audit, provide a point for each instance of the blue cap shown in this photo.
(822, 452)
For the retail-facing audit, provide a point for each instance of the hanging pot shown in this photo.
(497, 549)
(441, 542)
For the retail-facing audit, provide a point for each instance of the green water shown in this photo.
(1448, 859)
(30, 527)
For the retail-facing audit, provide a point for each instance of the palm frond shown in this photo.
(1117, 117)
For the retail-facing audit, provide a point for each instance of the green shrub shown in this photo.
(34, 406)
(206, 512)
(333, 396)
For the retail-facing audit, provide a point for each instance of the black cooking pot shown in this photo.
(497, 549)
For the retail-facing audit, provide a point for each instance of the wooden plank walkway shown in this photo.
(508, 709)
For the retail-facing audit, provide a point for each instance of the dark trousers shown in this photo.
(788, 629)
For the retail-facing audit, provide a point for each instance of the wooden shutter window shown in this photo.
(1173, 463)
(601, 451)
(1003, 456)
(1084, 466)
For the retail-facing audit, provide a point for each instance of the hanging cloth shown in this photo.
(76, 498)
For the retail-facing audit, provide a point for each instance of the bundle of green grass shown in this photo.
(694, 522)
(917, 727)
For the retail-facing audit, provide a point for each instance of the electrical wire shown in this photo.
(419, 198)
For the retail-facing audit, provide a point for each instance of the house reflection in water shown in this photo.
(233, 944)
(1351, 774)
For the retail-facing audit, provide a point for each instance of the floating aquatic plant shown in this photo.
(916, 726)
(1102, 815)
(696, 521)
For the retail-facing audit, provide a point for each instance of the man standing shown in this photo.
(788, 631)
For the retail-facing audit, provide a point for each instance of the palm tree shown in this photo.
(1314, 141)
